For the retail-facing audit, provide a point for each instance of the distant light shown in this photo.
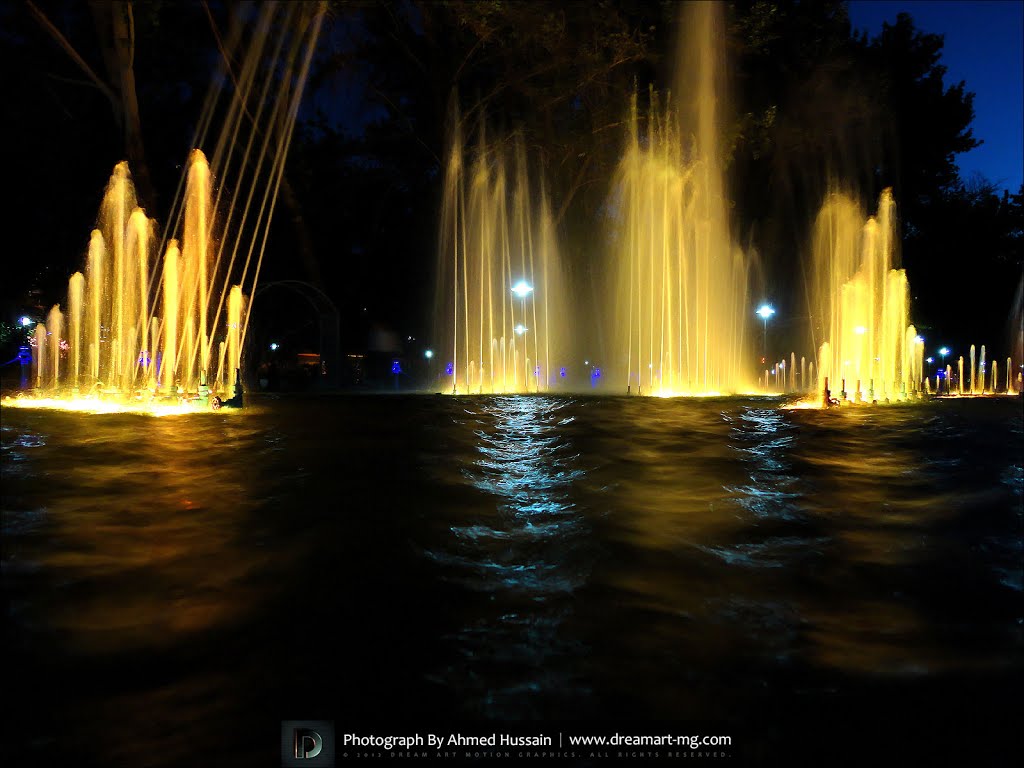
(449, 369)
(561, 372)
(25, 321)
(860, 330)
(586, 362)
(522, 289)
(521, 329)
(274, 346)
(396, 367)
(944, 351)
(536, 371)
(765, 311)
(596, 374)
(428, 354)
(919, 339)
(930, 359)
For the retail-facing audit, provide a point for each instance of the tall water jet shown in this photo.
(679, 282)
(76, 309)
(95, 281)
(169, 332)
(859, 299)
(54, 331)
(39, 358)
(973, 369)
(500, 303)
(197, 263)
(234, 349)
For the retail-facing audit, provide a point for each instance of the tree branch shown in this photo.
(55, 33)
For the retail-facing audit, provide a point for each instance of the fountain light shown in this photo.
(919, 339)
(522, 289)
(428, 354)
(930, 360)
(860, 330)
(274, 346)
(521, 329)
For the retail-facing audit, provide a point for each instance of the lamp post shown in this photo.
(522, 289)
(764, 312)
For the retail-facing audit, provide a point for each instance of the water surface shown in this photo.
(388, 559)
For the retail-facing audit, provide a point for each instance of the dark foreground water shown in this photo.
(828, 587)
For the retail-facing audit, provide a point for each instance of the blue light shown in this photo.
(765, 311)
(522, 289)
(536, 371)
(449, 369)
(144, 358)
(396, 367)
(596, 373)
(561, 372)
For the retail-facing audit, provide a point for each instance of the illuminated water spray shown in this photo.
(860, 304)
(679, 283)
(121, 336)
(144, 321)
(501, 310)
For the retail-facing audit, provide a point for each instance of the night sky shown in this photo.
(983, 46)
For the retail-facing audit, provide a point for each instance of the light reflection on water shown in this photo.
(523, 547)
(498, 557)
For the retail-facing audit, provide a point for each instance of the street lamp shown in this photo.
(522, 289)
(764, 312)
(944, 351)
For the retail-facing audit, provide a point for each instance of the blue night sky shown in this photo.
(983, 47)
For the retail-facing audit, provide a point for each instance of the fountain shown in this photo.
(122, 339)
(141, 333)
(500, 300)
(860, 303)
(679, 283)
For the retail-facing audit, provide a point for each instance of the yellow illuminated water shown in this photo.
(860, 305)
(501, 307)
(679, 283)
(126, 336)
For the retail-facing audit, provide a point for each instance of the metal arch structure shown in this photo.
(330, 324)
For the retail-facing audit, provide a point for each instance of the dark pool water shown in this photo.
(814, 581)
